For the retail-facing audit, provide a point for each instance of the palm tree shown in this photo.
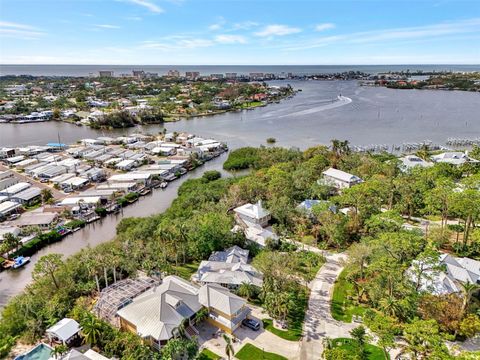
(91, 329)
(228, 347)
(46, 195)
(58, 351)
(468, 290)
(246, 290)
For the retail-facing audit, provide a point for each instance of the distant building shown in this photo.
(454, 158)
(105, 73)
(216, 76)
(256, 76)
(231, 76)
(138, 73)
(411, 161)
(340, 179)
(173, 73)
(192, 75)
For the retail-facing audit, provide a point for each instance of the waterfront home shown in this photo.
(456, 271)
(157, 314)
(43, 220)
(340, 179)
(6, 152)
(253, 213)
(137, 177)
(13, 160)
(411, 161)
(454, 158)
(65, 331)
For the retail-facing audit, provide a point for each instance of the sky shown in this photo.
(239, 32)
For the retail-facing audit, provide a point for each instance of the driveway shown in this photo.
(212, 339)
(318, 319)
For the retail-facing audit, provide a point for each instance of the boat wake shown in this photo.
(339, 101)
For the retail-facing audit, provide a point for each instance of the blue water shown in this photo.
(86, 70)
(40, 352)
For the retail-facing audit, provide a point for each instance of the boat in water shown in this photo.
(19, 261)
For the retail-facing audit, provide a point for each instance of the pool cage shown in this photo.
(120, 294)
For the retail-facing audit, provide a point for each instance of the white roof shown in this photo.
(76, 200)
(75, 181)
(231, 255)
(160, 310)
(220, 298)
(64, 329)
(27, 194)
(253, 211)
(124, 163)
(14, 189)
(341, 175)
(228, 273)
(8, 206)
(410, 161)
(132, 176)
(36, 218)
(455, 158)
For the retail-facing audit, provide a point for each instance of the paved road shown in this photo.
(318, 319)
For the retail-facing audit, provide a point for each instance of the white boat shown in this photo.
(20, 261)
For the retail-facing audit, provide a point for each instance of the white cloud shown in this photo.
(177, 43)
(19, 31)
(277, 30)
(396, 34)
(107, 26)
(218, 25)
(324, 26)
(245, 25)
(148, 5)
(230, 39)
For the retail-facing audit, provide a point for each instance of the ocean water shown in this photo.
(86, 70)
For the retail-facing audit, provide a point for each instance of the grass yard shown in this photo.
(290, 334)
(373, 352)
(206, 354)
(250, 352)
(342, 308)
(186, 271)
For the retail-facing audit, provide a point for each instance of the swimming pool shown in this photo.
(39, 352)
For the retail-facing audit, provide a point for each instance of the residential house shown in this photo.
(454, 158)
(340, 179)
(64, 331)
(225, 309)
(411, 161)
(456, 271)
(253, 213)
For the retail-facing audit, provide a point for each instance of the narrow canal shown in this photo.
(12, 282)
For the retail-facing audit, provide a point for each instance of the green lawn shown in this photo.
(206, 354)
(186, 271)
(290, 334)
(342, 308)
(250, 352)
(373, 352)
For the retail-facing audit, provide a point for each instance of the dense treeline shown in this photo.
(200, 221)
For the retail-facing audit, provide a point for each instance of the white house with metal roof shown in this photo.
(157, 314)
(340, 179)
(457, 271)
(253, 213)
(64, 331)
(454, 158)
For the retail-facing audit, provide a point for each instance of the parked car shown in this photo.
(251, 324)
